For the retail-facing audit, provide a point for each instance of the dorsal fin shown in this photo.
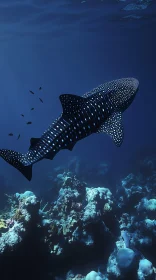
(33, 142)
(114, 128)
(71, 103)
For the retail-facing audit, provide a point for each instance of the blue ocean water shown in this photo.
(72, 47)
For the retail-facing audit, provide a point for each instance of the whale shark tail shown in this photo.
(16, 160)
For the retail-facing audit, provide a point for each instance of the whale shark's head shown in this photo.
(123, 92)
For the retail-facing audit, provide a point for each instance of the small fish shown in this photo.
(18, 137)
(10, 134)
(40, 88)
(29, 122)
(22, 115)
(31, 92)
(32, 109)
(97, 111)
(40, 99)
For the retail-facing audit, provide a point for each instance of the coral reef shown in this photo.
(87, 232)
(21, 243)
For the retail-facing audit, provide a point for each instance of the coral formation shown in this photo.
(86, 228)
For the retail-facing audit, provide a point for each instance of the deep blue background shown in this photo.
(71, 48)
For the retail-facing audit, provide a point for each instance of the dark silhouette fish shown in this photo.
(29, 122)
(40, 88)
(32, 109)
(40, 99)
(98, 111)
(10, 134)
(31, 92)
(22, 115)
(18, 136)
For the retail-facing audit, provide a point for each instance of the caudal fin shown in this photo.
(17, 160)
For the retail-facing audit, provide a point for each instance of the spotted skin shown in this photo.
(97, 111)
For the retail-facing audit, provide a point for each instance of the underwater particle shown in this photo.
(83, 1)
(10, 134)
(40, 99)
(32, 109)
(40, 88)
(29, 122)
(31, 92)
(22, 115)
(18, 136)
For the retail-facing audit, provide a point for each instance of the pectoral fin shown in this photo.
(114, 128)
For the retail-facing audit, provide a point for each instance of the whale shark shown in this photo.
(97, 111)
